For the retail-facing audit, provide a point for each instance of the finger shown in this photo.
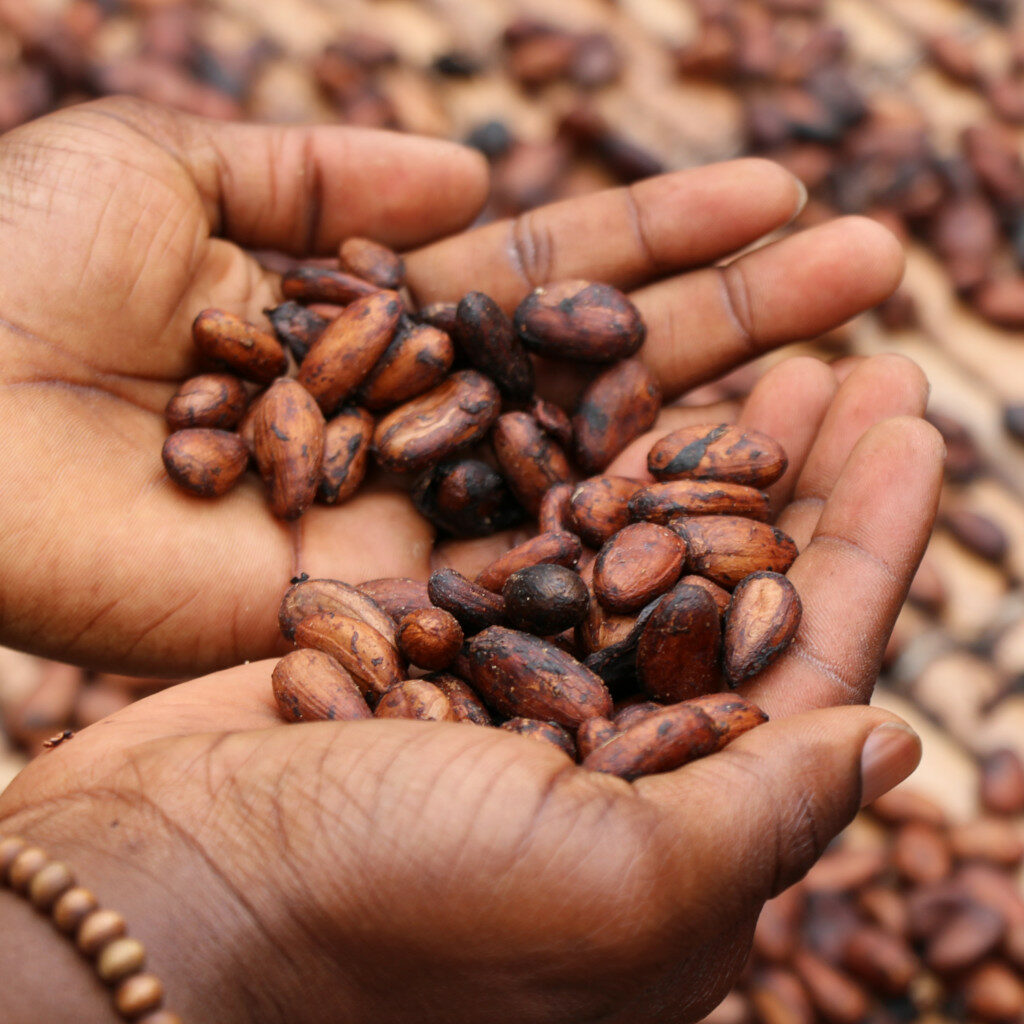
(875, 390)
(789, 403)
(621, 236)
(706, 322)
(302, 189)
(854, 574)
(750, 820)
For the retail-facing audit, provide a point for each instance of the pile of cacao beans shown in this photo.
(621, 664)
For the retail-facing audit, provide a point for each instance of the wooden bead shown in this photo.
(138, 995)
(9, 849)
(161, 1017)
(49, 884)
(119, 959)
(73, 908)
(99, 928)
(25, 867)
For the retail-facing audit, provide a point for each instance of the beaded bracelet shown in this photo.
(99, 934)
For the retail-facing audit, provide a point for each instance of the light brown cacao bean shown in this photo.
(311, 686)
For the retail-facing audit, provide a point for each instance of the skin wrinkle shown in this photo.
(530, 249)
(799, 649)
(636, 219)
(314, 185)
(877, 561)
(736, 301)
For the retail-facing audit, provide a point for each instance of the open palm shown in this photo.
(123, 220)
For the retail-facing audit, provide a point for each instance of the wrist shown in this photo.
(111, 855)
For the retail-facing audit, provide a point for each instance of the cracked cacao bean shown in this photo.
(593, 323)
(553, 420)
(616, 407)
(288, 443)
(720, 452)
(760, 624)
(435, 425)
(230, 341)
(521, 675)
(214, 400)
(204, 461)
(349, 347)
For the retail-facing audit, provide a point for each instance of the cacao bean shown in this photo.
(677, 652)
(364, 653)
(555, 512)
(204, 461)
(760, 624)
(558, 548)
(475, 607)
(530, 460)
(415, 698)
(1002, 782)
(346, 454)
(466, 705)
(288, 442)
(723, 452)
(592, 733)
(310, 686)
(545, 599)
(311, 596)
(466, 498)
(230, 341)
(349, 347)
(543, 732)
(553, 420)
(214, 400)
(727, 549)
(592, 323)
(523, 676)
(640, 562)
(372, 262)
(430, 638)
(485, 336)
(296, 327)
(397, 595)
(431, 427)
(617, 406)
(320, 284)
(417, 359)
(658, 503)
(600, 507)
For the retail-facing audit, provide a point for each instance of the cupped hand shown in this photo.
(122, 220)
(388, 871)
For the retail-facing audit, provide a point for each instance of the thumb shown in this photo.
(751, 820)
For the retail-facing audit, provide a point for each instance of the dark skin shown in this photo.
(392, 871)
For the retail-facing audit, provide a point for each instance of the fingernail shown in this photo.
(802, 196)
(889, 755)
